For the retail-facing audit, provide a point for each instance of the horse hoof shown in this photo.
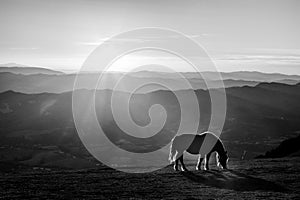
(198, 168)
(184, 169)
(175, 168)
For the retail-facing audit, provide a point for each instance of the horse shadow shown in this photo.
(232, 180)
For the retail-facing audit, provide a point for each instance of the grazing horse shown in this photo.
(202, 144)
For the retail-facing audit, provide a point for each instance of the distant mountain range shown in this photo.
(26, 70)
(39, 80)
(238, 75)
(39, 83)
(37, 125)
(258, 118)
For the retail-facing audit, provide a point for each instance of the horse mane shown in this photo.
(219, 141)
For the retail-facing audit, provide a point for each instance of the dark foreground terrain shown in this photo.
(254, 179)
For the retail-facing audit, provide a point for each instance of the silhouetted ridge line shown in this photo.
(286, 148)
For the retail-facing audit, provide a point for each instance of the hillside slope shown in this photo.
(289, 147)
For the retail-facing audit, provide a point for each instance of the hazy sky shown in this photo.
(239, 35)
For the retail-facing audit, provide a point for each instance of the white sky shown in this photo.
(247, 35)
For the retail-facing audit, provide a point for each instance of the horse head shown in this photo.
(223, 159)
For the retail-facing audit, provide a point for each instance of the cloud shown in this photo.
(275, 51)
(98, 42)
(261, 57)
(23, 48)
(140, 39)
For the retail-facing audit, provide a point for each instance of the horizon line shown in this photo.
(74, 71)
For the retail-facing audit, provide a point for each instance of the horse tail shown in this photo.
(172, 152)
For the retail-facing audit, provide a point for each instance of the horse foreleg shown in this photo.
(183, 168)
(217, 160)
(207, 161)
(200, 159)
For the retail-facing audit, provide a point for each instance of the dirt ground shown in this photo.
(254, 179)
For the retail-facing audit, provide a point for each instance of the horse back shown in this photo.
(195, 144)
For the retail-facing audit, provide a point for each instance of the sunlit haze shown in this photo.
(238, 35)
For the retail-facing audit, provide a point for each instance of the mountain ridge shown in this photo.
(26, 70)
(57, 83)
(251, 118)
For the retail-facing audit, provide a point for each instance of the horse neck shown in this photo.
(219, 148)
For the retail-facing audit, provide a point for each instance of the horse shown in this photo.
(201, 144)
